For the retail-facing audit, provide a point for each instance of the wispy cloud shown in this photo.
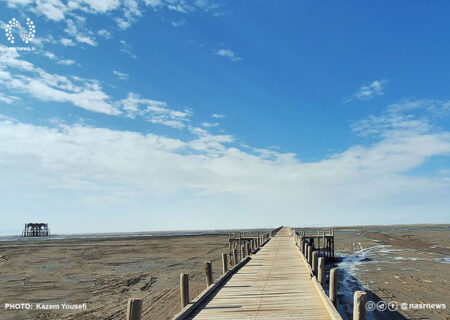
(126, 48)
(104, 33)
(154, 111)
(369, 91)
(178, 23)
(82, 37)
(228, 53)
(27, 78)
(8, 99)
(67, 42)
(131, 13)
(209, 124)
(408, 117)
(18, 75)
(218, 116)
(58, 60)
(124, 12)
(121, 75)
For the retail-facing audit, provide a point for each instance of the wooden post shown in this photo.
(321, 271)
(301, 246)
(359, 305)
(134, 309)
(249, 250)
(333, 285)
(239, 246)
(184, 289)
(314, 262)
(235, 256)
(224, 262)
(242, 252)
(310, 255)
(208, 273)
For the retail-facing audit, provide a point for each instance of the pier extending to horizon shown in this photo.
(274, 275)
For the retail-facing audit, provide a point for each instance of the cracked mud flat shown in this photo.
(396, 263)
(104, 273)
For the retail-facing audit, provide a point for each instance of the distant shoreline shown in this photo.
(176, 233)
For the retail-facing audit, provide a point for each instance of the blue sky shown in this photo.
(170, 114)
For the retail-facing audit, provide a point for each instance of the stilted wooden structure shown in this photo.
(321, 241)
(36, 230)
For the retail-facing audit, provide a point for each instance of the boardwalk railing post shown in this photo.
(310, 255)
(301, 246)
(235, 256)
(249, 250)
(321, 271)
(208, 273)
(134, 309)
(359, 305)
(314, 262)
(242, 252)
(184, 289)
(333, 285)
(224, 262)
(239, 246)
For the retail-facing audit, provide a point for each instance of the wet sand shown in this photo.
(104, 274)
(405, 264)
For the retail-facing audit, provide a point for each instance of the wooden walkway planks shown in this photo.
(275, 284)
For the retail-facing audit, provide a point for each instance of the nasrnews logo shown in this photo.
(24, 35)
(394, 306)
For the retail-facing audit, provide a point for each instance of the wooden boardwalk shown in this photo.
(275, 284)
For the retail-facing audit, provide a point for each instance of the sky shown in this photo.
(131, 115)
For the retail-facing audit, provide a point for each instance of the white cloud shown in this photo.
(67, 62)
(101, 6)
(366, 92)
(8, 99)
(209, 124)
(104, 33)
(218, 116)
(52, 9)
(407, 117)
(121, 75)
(35, 81)
(227, 53)
(122, 23)
(130, 15)
(126, 48)
(81, 37)
(126, 12)
(178, 23)
(154, 111)
(84, 93)
(67, 42)
(363, 184)
(52, 56)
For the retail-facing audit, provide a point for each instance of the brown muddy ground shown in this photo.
(405, 264)
(104, 273)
